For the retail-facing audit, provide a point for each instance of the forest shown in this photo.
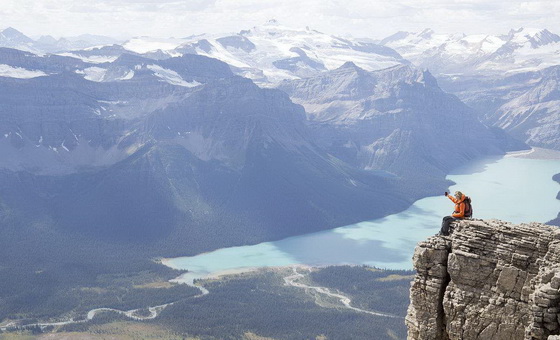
(261, 304)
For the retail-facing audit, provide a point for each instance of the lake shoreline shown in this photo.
(535, 153)
(388, 242)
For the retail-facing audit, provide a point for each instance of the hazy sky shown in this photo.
(359, 18)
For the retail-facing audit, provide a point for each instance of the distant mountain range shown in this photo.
(12, 38)
(266, 54)
(271, 52)
(520, 50)
(511, 79)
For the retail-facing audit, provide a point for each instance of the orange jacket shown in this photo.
(459, 206)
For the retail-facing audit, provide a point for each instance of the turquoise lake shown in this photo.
(510, 189)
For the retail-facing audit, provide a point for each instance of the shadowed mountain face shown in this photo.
(533, 113)
(397, 120)
(525, 104)
(178, 152)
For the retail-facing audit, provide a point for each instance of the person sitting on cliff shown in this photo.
(462, 210)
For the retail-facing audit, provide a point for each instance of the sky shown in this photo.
(374, 19)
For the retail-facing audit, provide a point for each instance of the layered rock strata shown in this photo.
(489, 280)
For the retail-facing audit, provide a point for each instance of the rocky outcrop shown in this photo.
(489, 280)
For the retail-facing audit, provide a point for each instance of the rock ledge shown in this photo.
(489, 280)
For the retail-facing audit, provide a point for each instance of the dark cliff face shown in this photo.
(488, 280)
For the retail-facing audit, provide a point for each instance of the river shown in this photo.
(517, 188)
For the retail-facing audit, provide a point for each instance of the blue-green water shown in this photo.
(510, 189)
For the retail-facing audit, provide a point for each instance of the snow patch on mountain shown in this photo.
(171, 76)
(93, 59)
(127, 76)
(148, 44)
(96, 74)
(19, 72)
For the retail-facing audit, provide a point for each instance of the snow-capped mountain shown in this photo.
(520, 50)
(524, 50)
(510, 80)
(397, 119)
(270, 53)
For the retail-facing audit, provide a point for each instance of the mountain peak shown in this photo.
(544, 37)
(47, 39)
(535, 36)
(11, 31)
(395, 37)
(12, 34)
(426, 34)
(349, 64)
(525, 32)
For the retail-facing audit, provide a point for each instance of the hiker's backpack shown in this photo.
(468, 207)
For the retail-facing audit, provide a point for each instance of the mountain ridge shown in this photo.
(364, 117)
(520, 50)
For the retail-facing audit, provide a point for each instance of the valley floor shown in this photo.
(317, 303)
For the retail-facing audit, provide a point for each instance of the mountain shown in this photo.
(12, 38)
(397, 120)
(178, 151)
(455, 55)
(489, 280)
(271, 52)
(48, 44)
(98, 55)
(106, 166)
(521, 103)
(533, 114)
(510, 80)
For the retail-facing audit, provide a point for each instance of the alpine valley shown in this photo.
(114, 154)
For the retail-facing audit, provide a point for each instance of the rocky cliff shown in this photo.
(489, 280)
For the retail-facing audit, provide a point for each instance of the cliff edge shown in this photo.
(489, 280)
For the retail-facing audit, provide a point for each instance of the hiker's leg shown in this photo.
(451, 220)
(445, 225)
